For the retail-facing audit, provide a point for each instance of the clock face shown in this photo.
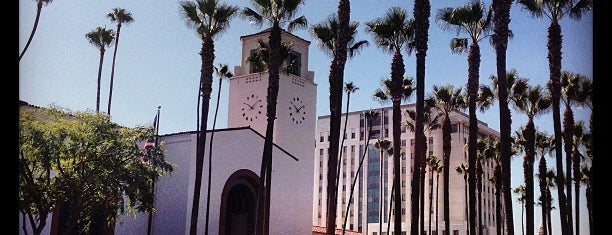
(297, 112)
(252, 108)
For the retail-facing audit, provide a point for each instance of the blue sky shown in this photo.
(158, 62)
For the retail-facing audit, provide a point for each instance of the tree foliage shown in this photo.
(92, 167)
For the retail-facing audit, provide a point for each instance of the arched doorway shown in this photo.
(238, 204)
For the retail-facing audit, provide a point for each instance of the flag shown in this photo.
(150, 142)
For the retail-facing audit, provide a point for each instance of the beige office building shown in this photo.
(364, 210)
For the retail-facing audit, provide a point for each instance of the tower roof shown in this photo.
(265, 31)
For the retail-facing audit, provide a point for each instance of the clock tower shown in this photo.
(294, 128)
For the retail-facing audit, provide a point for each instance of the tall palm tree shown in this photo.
(327, 34)
(555, 10)
(463, 170)
(571, 95)
(383, 145)
(438, 169)
(393, 33)
(39, 5)
(277, 12)
(100, 38)
(209, 18)
(474, 20)
(550, 183)
(534, 102)
(421, 12)
(501, 33)
(434, 163)
(349, 88)
(492, 153)
(543, 145)
(446, 99)
(585, 172)
(579, 139)
(369, 115)
(520, 191)
(344, 38)
(222, 72)
(121, 16)
(487, 150)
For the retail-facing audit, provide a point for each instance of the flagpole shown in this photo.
(156, 126)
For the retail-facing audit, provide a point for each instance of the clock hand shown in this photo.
(250, 106)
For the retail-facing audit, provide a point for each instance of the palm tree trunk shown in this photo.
(576, 165)
(430, 197)
(479, 190)
(207, 55)
(99, 79)
(523, 218)
(336, 77)
(380, 193)
(389, 211)
(437, 204)
(554, 62)
(210, 150)
(348, 99)
(542, 176)
(446, 148)
(501, 20)
(39, 5)
(274, 69)
(421, 22)
(589, 202)
(356, 177)
(422, 211)
(467, 211)
(528, 175)
(568, 141)
(110, 92)
(397, 76)
(473, 74)
(498, 201)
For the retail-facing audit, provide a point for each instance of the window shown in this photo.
(386, 132)
(352, 148)
(403, 142)
(456, 232)
(320, 163)
(361, 135)
(320, 176)
(321, 139)
(294, 63)
(430, 140)
(352, 135)
(320, 152)
(320, 189)
(454, 128)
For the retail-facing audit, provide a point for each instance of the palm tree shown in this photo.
(209, 18)
(579, 139)
(550, 183)
(520, 191)
(434, 163)
(39, 5)
(534, 102)
(475, 20)
(486, 151)
(222, 72)
(438, 169)
(121, 16)
(543, 145)
(463, 170)
(349, 88)
(393, 33)
(421, 12)
(100, 38)
(277, 12)
(327, 35)
(555, 10)
(501, 33)
(585, 172)
(370, 115)
(444, 100)
(383, 145)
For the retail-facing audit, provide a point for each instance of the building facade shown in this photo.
(364, 211)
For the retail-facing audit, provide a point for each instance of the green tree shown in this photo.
(474, 19)
(543, 145)
(520, 191)
(121, 16)
(369, 115)
(393, 33)
(101, 38)
(438, 169)
(276, 12)
(446, 99)
(349, 88)
(85, 168)
(39, 5)
(433, 163)
(555, 10)
(210, 19)
(534, 102)
(585, 171)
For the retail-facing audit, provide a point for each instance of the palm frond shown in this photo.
(458, 45)
(251, 15)
(298, 23)
(533, 6)
(580, 7)
(190, 13)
